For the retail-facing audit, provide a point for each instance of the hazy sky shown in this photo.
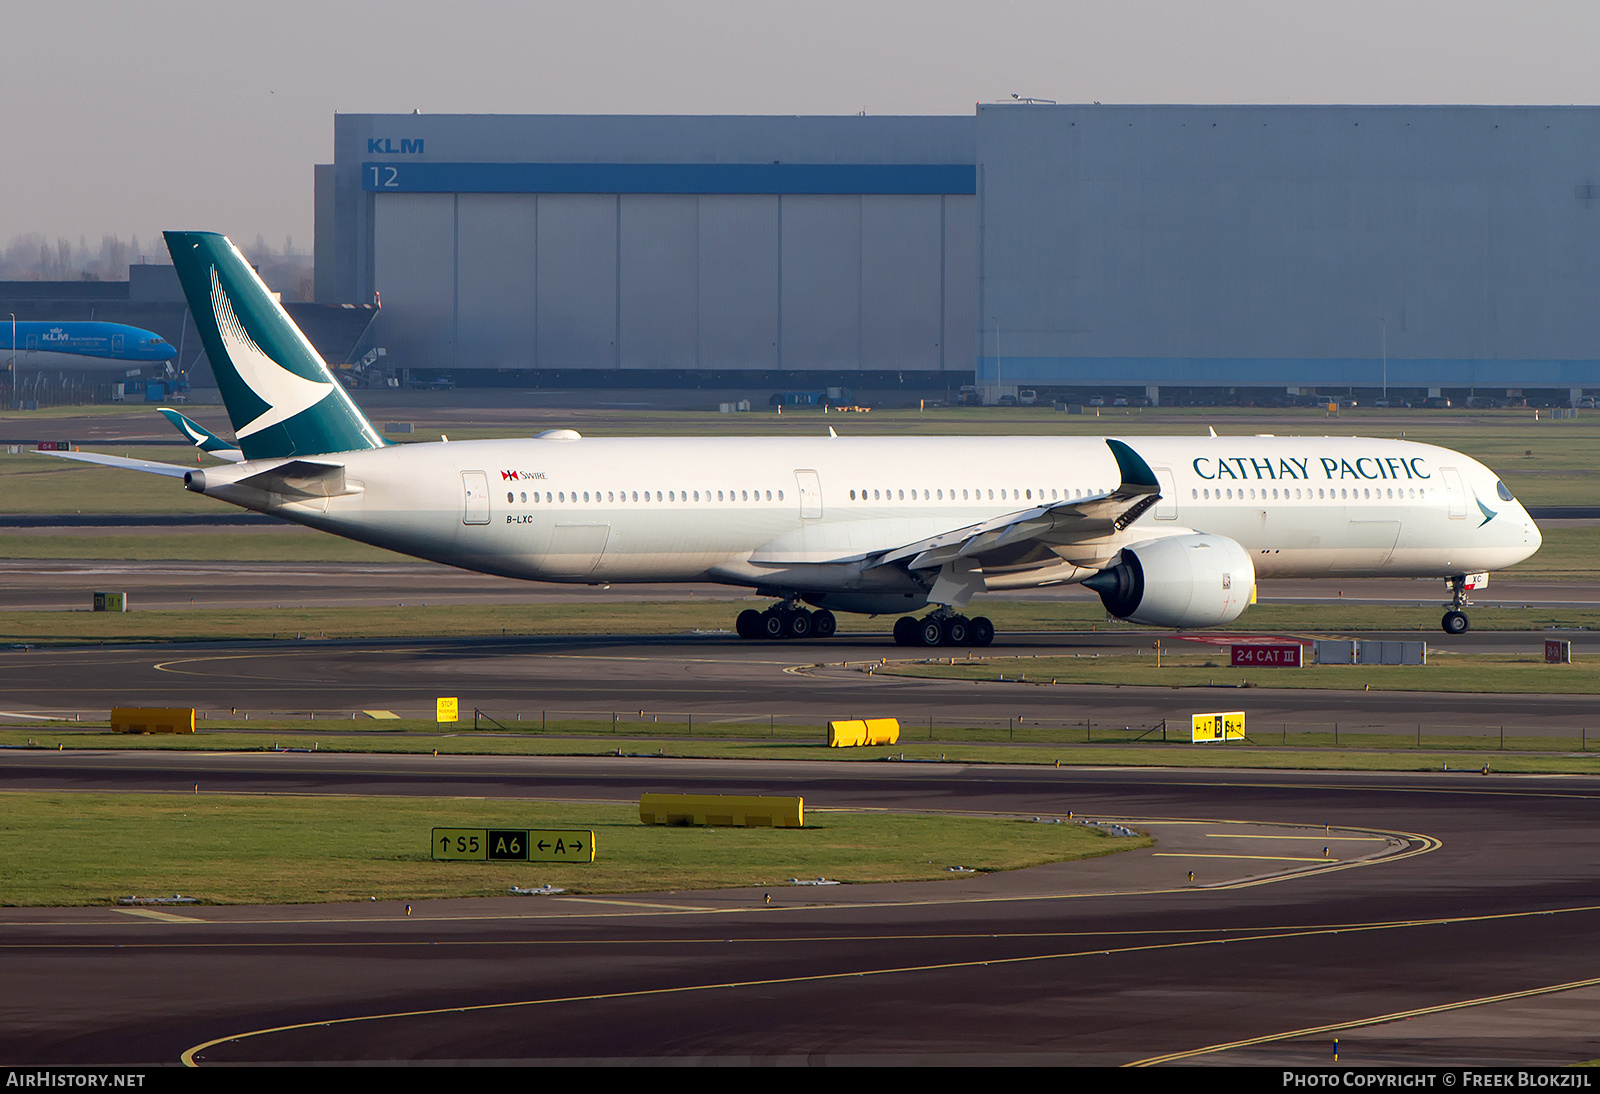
(133, 117)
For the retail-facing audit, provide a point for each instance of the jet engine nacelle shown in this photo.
(1195, 580)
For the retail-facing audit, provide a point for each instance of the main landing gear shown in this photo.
(943, 630)
(786, 620)
(1455, 620)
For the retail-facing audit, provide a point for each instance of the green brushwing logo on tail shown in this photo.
(281, 396)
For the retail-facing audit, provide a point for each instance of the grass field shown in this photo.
(49, 484)
(285, 543)
(1270, 746)
(88, 848)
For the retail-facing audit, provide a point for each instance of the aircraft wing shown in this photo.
(149, 466)
(1013, 538)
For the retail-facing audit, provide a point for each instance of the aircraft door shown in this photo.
(116, 343)
(810, 487)
(475, 499)
(1457, 493)
(1167, 507)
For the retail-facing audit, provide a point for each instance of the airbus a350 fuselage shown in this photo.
(797, 514)
(1169, 531)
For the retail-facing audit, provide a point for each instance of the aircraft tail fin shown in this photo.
(281, 396)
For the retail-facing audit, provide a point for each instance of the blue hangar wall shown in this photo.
(828, 244)
(1039, 245)
(1289, 246)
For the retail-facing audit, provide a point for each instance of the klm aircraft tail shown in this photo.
(280, 394)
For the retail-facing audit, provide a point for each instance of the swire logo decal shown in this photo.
(513, 476)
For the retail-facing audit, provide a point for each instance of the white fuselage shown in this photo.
(784, 513)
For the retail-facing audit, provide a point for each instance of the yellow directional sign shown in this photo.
(512, 845)
(447, 710)
(460, 843)
(1227, 726)
(560, 846)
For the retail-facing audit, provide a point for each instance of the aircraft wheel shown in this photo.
(956, 631)
(773, 624)
(905, 631)
(980, 632)
(749, 624)
(929, 632)
(1455, 622)
(799, 624)
(823, 624)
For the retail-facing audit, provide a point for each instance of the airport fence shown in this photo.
(796, 728)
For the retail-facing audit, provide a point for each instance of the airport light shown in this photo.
(1384, 325)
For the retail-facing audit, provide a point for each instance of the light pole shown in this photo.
(11, 362)
(1384, 324)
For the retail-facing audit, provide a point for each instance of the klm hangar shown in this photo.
(584, 247)
(1147, 250)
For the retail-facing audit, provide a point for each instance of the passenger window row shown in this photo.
(615, 497)
(968, 495)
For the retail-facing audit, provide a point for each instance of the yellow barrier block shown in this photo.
(846, 734)
(883, 731)
(872, 731)
(721, 811)
(152, 719)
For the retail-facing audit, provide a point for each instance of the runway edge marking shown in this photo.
(1372, 1021)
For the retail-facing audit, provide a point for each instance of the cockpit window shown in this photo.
(1501, 489)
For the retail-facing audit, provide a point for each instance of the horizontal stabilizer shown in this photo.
(201, 437)
(127, 464)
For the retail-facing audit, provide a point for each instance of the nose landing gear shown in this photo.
(1455, 620)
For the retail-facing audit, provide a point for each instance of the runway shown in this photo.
(1441, 891)
(1453, 918)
